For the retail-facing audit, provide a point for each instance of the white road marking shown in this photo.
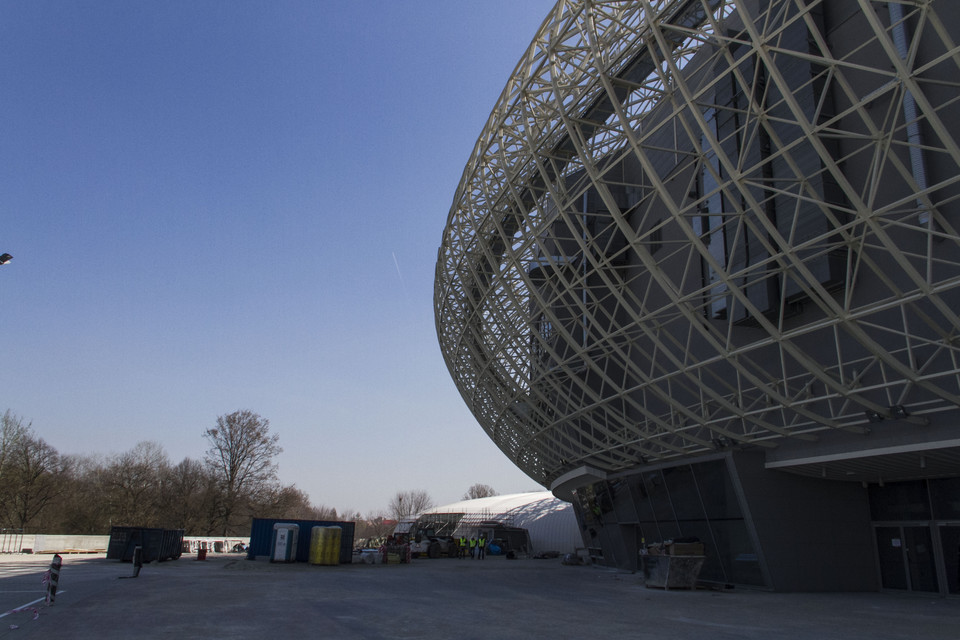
(24, 606)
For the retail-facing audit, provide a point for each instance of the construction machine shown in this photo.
(427, 537)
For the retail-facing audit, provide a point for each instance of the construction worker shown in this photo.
(462, 547)
(473, 546)
(482, 547)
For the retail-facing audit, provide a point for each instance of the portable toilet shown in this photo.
(284, 547)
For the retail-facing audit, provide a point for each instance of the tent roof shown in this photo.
(496, 505)
(550, 521)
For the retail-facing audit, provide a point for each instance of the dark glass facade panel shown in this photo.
(945, 496)
(893, 574)
(659, 496)
(735, 551)
(587, 515)
(646, 534)
(684, 495)
(644, 506)
(692, 519)
(920, 559)
(688, 501)
(950, 543)
(603, 501)
(624, 505)
(668, 530)
(900, 501)
(716, 490)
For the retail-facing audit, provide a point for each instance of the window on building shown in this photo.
(772, 188)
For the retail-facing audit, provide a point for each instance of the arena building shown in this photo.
(701, 278)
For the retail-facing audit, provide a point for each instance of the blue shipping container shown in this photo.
(261, 537)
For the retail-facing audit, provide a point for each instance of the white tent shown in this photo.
(550, 521)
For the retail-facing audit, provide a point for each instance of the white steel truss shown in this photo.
(693, 224)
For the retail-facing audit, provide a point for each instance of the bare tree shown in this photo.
(82, 508)
(323, 512)
(479, 491)
(189, 498)
(34, 474)
(12, 432)
(285, 502)
(134, 482)
(240, 457)
(409, 503)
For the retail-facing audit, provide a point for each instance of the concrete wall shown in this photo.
(815, 535)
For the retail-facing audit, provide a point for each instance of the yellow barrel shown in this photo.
(316, 545)
(333, 547)
(325, 545)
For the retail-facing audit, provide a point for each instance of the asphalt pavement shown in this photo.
(228, 596)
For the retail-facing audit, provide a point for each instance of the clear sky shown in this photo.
(223, 205)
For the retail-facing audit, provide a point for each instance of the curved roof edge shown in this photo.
(494, 504)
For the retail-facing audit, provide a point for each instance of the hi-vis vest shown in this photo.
(473, 543)
(482, 542)
(463, 541)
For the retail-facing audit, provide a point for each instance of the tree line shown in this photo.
(43, 491)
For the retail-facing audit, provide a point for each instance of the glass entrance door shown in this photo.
(893, 565)
(920, 559)
(907, 559)
(950, 544)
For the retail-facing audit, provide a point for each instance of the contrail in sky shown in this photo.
(400, 275)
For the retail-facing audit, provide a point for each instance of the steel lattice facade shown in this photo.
(687, 238)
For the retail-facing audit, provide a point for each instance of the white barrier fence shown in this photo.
(192, 544)
(48, 543)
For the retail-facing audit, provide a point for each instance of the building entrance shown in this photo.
(917, 530)
(907, 558)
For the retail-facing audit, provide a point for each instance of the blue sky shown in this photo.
(226, 205)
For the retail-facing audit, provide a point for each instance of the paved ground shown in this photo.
(231, 597)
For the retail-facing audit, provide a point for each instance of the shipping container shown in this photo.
(261, 538)
(157, 544)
